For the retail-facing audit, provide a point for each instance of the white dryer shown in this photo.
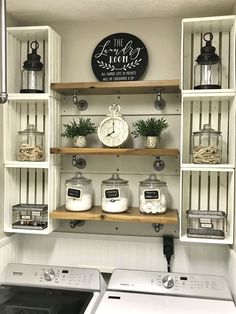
(43, 289)
(139, 292)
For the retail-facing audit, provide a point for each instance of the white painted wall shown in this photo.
(107, 252)
(161, 37)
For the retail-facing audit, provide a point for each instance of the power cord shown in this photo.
(168, 249)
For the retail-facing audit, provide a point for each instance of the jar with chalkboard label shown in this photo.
(207, 146)
(152, 195)
(115, 194)
(79, 193)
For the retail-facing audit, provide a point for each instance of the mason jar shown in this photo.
(152, 195)
(206, 146)
(115, 194)
(79, 193)
(30, 144)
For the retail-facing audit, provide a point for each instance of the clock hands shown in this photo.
(113, 129)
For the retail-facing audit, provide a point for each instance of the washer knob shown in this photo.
(168, 282)
(49, 274)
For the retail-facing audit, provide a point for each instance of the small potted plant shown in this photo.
(150, 129)
(78, 131)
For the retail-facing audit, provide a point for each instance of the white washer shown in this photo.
(41, 289)
(139, 292)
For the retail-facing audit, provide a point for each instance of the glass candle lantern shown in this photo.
(207, 146)
(115, 194)
(152, 195)
(79, 193)
(32, 75)
(207, 70)
(30, 144)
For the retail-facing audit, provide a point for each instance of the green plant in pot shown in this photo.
(77, 131)
(150, 129)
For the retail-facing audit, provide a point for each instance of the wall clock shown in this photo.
(113, 131)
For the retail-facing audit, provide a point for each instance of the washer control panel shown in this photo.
(51, 277)
(201, 286)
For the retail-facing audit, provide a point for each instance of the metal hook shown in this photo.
(81, 104)
(78, 162)
(158, 164)
(159, 103)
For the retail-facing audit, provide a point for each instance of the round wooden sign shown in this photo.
(120, 57)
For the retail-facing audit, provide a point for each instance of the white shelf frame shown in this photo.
(32, 182)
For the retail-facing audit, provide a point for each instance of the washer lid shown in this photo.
(117, 302)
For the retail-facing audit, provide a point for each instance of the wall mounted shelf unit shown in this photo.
(132, 215)
(115, 151)
(113, 88)
(208, 187)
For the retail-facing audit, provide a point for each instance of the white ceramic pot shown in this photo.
(80, 141)
(151, 141)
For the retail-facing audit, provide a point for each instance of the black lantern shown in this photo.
(207, 70)
(32, 75)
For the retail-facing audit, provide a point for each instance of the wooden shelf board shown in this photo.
(115, 151)
(111, 88)
(132, 215)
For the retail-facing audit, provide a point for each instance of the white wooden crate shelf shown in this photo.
(208, 190)
(223, 29)
(209, 109)
(19, 39)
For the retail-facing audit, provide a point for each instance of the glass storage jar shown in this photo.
(115, 194)
(207, 146)
(152, 195)
(79, 193)
(30, 144)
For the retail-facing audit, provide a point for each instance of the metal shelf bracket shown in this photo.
(157, 227)
(78, 162)
(81, 104)
(158, 164)
(76, 223)
(159, 103)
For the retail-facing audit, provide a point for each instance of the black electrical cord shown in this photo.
(168, 249)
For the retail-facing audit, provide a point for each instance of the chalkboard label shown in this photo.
(151, 194)
(112, 193)
(120, 57)
(74, 193)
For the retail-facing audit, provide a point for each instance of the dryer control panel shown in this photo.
(201, 286)
(51, 277)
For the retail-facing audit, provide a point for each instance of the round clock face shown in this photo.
(113, 131)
